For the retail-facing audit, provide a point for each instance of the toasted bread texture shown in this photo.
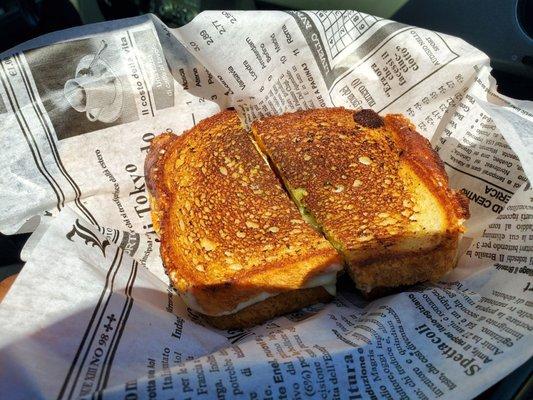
(230, 236)
(374, 187)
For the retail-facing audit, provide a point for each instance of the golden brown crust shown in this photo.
(275, 306)
(160, 147)
(228, 230)
(417, 151)
(373, 185)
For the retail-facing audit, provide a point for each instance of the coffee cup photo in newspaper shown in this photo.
(95, 90)
(84, 88)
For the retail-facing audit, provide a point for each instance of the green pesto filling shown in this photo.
(298, 194)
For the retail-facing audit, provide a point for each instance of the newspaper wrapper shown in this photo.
(92, 315)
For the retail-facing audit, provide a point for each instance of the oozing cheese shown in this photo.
(327, 280)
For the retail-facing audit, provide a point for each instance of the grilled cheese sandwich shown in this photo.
(256, 225)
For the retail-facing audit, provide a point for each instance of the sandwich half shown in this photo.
(374, 187)
(232, 242)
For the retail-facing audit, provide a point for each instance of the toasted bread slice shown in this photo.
(230, 236)
(374, 187)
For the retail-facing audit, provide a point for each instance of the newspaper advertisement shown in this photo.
(92, 314)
